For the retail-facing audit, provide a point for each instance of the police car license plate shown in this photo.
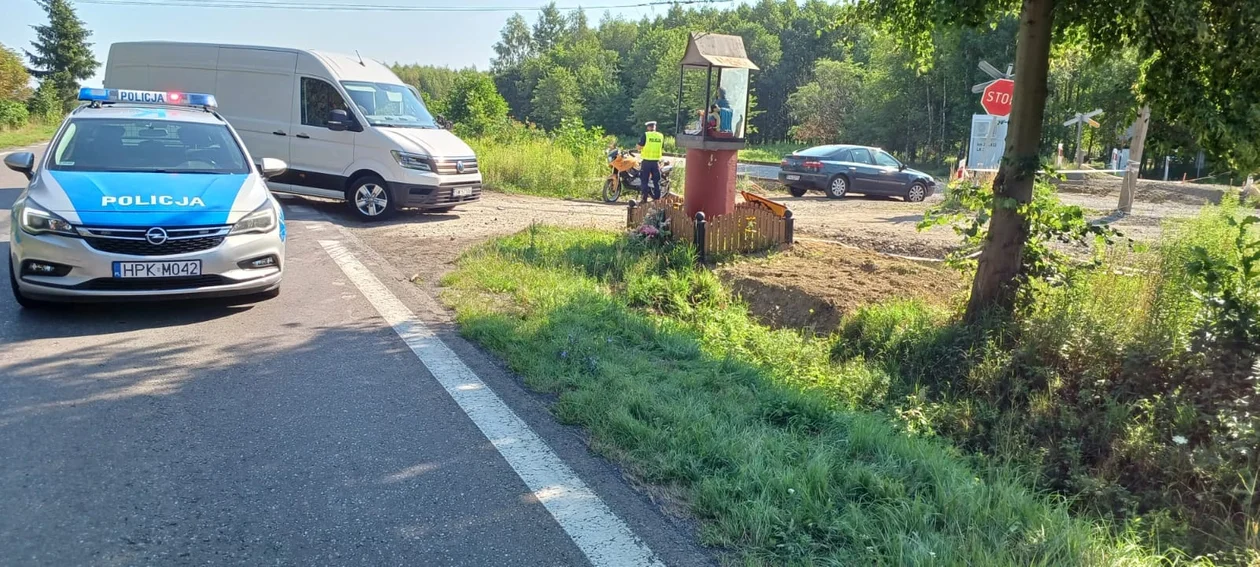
(793, 178)
(461, 191)
(181, 269)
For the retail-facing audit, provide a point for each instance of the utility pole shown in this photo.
(1129, 187)
(1080, 120)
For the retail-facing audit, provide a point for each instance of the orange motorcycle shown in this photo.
(625, 173)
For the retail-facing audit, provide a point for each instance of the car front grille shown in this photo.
(143, 248)
(132, 241)
(151, 284)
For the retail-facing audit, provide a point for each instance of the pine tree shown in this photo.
(61, 49)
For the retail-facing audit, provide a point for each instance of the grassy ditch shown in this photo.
(762, 433)
(28, 134)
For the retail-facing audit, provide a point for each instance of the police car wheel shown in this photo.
(370, 199)
(25, 302)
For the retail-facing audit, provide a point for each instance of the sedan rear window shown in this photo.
(147, 146)
(818, 152)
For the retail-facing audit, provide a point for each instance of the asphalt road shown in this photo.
(302, 430)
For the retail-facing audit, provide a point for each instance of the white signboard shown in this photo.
(988, 141)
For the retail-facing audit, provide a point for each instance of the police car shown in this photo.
(144, 195)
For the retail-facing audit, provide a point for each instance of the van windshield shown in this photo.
(147, 146)
(389, 105)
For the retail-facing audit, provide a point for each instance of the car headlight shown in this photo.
(262, 220)
(35, 220)
(413, 161)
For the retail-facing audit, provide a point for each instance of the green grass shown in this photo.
(31, 133)
(537, 166)
(757, 431)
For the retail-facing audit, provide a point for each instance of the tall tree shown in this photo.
(823, 109)
(515, 44)
(61, 49)
(556, 98)
(550, 28)
(1194, 48)
(13, 77)
(475, 105)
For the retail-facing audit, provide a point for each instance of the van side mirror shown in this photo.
(271, 167)
(21, 162)
(339, 120)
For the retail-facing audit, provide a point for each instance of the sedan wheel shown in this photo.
(838, 188)
(917, 193)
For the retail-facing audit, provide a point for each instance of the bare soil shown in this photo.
(814, 285)
(427, 245)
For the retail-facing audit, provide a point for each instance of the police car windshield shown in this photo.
(389, 105)
(147, 146)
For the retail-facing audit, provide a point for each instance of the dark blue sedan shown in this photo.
(842, 169)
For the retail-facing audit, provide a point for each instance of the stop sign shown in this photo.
(996, 99)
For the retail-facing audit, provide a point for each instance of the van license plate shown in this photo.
(793, 178)
(157, 269)
(461, 191)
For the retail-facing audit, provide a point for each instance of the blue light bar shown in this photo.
(168, 98)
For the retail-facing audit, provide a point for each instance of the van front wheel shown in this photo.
(370, 198)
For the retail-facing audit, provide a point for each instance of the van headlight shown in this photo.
(262, 220)
(413, 161)
(36, 220)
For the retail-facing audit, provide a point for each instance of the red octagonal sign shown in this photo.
(996, 99)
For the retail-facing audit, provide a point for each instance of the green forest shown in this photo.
(829, 74)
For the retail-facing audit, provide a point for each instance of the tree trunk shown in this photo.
(997, 282)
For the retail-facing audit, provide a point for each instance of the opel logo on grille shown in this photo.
(155, 236)
(459, 167)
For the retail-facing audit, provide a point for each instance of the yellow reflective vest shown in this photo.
(654, 146)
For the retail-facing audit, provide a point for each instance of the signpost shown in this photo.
(988, 131)
(1079, 120)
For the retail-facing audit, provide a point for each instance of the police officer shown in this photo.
(651, 148)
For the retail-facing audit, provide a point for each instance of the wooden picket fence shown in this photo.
(750, 228)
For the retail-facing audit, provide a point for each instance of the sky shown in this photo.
(451, 39)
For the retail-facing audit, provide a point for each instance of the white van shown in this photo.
(347, 126)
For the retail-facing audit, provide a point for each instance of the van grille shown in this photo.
(451, 166)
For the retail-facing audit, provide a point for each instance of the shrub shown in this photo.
(46, 103)
(1130, 386)
(13, 114)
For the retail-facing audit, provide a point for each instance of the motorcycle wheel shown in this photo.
(612, 191)
(665, 188)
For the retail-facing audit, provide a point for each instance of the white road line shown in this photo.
(605, 539)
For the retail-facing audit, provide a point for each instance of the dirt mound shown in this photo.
(1148, 191)
(814, 285)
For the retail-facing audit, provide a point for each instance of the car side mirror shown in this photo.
(339, 120)
(21, 162)
(901, 167)
(271, 167)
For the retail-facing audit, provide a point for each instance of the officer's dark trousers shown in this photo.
(650, 170)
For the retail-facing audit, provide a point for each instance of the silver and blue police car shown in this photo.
(144, 195)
